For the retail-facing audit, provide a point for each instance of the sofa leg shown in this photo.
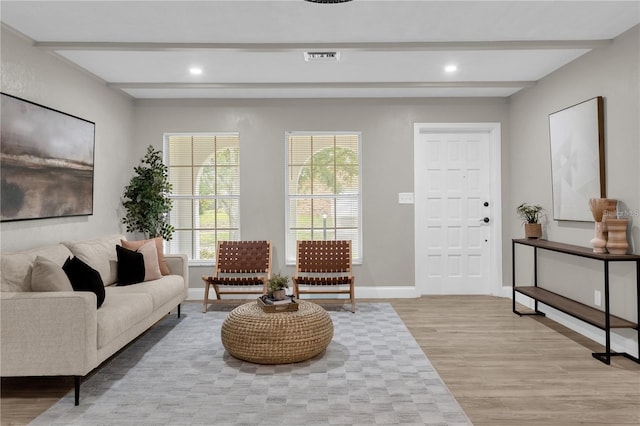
(77, 380)
(179, 310)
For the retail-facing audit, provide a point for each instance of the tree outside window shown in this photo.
(204, 170)
(323, 188)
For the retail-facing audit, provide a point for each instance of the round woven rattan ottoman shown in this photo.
(250, 334)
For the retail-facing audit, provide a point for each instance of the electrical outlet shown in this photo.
(597, 298)
(405, 198)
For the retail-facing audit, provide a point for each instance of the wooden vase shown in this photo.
(617, 235)
(533, 230)
(599, 241)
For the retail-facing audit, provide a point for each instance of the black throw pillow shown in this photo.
(130, 266)
(84, 278)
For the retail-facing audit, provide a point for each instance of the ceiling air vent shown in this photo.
(321, 56)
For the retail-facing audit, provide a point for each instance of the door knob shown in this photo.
(486, 220)
(486, 204)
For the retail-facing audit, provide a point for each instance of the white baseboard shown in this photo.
(403, 292)
(622, 340)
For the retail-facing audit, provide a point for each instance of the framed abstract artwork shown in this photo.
(46, 162)
(576, 134)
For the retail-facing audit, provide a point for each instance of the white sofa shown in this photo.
(63, 333)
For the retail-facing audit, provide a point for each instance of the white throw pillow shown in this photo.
(16, 268)
(49, 276)
(151, 265)
(100, 254)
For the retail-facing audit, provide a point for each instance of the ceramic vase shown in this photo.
(599, 241)
(279, 294)
(617, 235)
(597, 206)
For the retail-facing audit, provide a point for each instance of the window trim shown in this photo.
(291, 262)
(165, 158)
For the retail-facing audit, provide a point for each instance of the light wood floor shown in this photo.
(502, 369)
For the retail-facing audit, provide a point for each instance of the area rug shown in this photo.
(178, 373)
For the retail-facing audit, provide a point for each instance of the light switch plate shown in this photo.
(405, 198)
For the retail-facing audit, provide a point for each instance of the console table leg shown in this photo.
(607, 317)
(606, 356)
(535, 279)
(76, 385)
(513, 277)
(638, 307)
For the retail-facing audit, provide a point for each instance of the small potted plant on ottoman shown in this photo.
(277, 285)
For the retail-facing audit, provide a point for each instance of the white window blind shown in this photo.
(204, 170)
(323, 189)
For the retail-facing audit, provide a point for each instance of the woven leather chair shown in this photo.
(324, 267)
(239, 266)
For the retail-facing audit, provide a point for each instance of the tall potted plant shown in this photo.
(530, 214)
(146, 198)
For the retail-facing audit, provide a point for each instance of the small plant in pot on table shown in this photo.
(530, 214)
(277, 286)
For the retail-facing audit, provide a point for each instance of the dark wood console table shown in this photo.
(604, 320)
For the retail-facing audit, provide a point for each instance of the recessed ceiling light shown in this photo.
(451, 68)
(195, 71)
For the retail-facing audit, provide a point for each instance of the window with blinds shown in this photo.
(204, 170)
(323, 189)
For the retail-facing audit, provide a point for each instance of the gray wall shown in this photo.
(124, 128)
(387, 161)
(39, 77)
(611, 72)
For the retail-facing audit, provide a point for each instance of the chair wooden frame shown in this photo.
(239, 264)
(321, 265)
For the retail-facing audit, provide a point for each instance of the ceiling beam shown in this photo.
(284, 47)
(329, 85)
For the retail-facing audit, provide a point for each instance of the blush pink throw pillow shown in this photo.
(135, 245)
(151, 266)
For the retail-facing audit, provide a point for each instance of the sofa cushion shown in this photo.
(151, 266)
(100, 254)
(49, 276)
(135, 245)
(84, 278)
(161, 291)
(120, 312)
(16, 267)
(130, 266)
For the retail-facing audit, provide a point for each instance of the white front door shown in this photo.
(457, 217)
